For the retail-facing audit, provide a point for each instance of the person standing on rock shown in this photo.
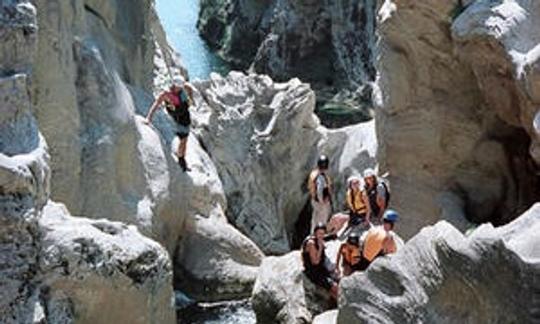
(177, 101)
(314, 261)
(377, 193)
(320, 190)
(379, 240)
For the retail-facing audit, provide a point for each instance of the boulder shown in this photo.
(494, 272)
(97, 271)
(451, 152)
(249, 122)
(283, 294)
(496, 41)
(214, 261)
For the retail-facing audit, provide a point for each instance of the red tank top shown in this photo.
(173, 98)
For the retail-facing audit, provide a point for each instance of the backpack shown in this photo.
(386, 189)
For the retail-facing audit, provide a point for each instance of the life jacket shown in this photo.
(378, 242)
(306, 260)
(312, 184)
(355, 202)
(180, 113)
(351, 253)
(372, 196)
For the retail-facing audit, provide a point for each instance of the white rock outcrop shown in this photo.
(264, 139)
(442, 276)
(283, 294)
(97, 271)
(56, 268)
(455, 119)
(215, 261)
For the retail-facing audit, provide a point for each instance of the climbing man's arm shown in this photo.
(153, 108)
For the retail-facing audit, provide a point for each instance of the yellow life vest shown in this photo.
(355, 202)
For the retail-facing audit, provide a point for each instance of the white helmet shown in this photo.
(353, 178)
(369, 173)
(178, 80)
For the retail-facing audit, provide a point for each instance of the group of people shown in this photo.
(367, 225)
(367, 200)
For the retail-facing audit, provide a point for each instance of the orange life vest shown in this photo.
(350, 253)
(378, 241)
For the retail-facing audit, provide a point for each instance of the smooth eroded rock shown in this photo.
(215, 261)
(447, 124)
(251, 123)
(106, 271)
(441, 276)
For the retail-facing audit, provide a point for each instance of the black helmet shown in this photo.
(323, 162)
(319, 226)
(353, 238)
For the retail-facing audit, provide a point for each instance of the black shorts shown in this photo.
(356, 267)
(320, 278)
(182, 131)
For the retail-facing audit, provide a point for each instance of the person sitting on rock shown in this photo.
(177, 101)
(358, 207)
(349, 254)
(314, 261)
(320, 190)
(379, 240)
(377, 193)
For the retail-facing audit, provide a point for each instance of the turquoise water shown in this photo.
(179, 19)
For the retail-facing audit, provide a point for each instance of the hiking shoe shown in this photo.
(183, 164)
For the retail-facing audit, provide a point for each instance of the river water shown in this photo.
(179, 18)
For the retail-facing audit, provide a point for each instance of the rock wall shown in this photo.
(93, 54)
(57, 268)
(442, 276)
(327, 43)
(264, 140)
(452, 131)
